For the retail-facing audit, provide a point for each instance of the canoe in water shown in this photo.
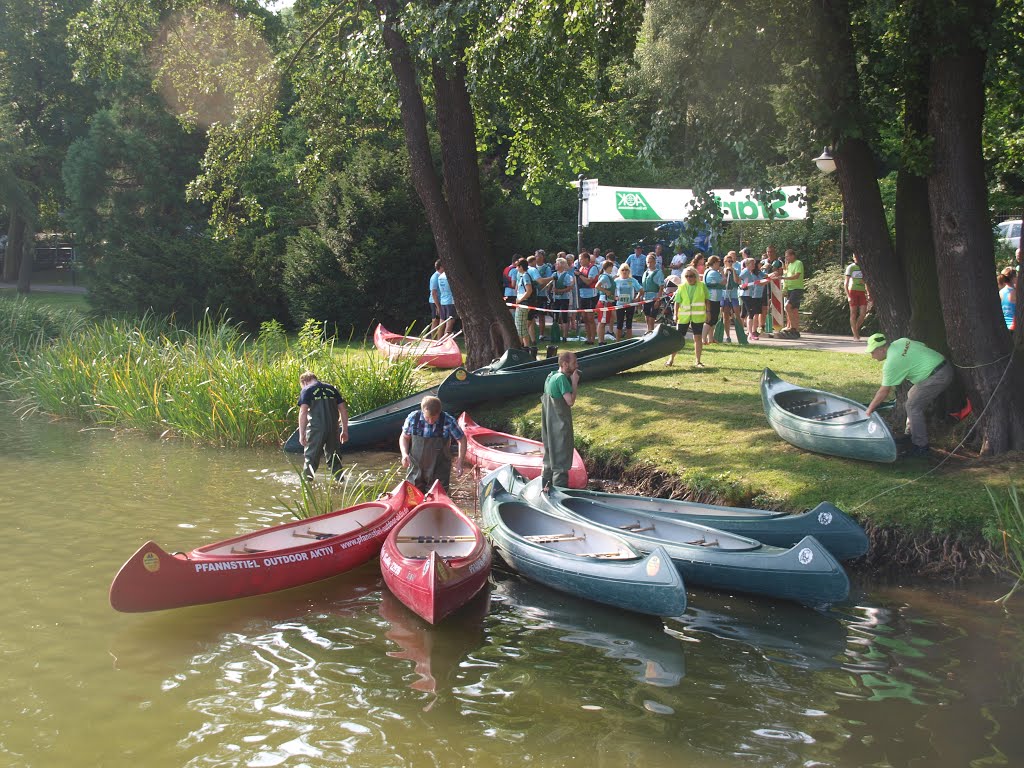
(834, 529)
(436, 559)
(489, 450)
(267, 560)
(438, 353)
(823, 422)
(579, 558)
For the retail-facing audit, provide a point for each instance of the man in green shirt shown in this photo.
(793, 283)
(556, 420)
(928, 371)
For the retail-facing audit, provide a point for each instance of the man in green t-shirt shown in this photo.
(556, 420)
(793, 283)
(928, 371)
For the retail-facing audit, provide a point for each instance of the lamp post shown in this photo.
(827, 165)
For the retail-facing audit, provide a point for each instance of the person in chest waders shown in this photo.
(556, 420)
(426, 443)
(323, 424)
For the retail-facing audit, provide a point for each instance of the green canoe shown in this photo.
(825, 423)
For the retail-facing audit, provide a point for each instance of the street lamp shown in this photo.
(827, 165)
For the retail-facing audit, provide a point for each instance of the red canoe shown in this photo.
(489, 450)
(436, 559)
(439, 353)
(267, 560)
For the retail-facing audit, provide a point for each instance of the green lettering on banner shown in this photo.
(748, 210)
(779, 205)
(633, 206)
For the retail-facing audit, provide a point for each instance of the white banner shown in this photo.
(646, 204)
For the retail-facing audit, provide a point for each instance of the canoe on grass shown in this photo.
(825, 423)
(489, 450)
(267, 560)
(491, 383)
(834, 529)
(805, 573)
(580, 558)
(438, 353)
(436, 559)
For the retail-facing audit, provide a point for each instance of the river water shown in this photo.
(340, 674)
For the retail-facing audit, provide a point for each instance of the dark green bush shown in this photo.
(825, 301)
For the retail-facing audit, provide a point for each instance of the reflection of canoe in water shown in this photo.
(267, 560)
(834, 529)
(436, 558)
(655, 657)
(435, 651)
(439, 353)
(825, 423)
(489, 450)
(805, 573)
(579, 558)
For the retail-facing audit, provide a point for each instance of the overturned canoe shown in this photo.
(579, 558)
(805, 573)
(834, 529)
(438, 353)
(489, 450)
(823, 422)
(267, 560)
(436, 559)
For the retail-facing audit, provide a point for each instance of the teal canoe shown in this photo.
(834, 529)
(805, 573)
(822, 422)
(578, 558)
(514, 373)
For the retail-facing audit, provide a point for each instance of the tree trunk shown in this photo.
(12, 256)
(477, 297)
(28, 259)
(963, 238)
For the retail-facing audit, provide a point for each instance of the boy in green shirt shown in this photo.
(929, 373)
(793, 282)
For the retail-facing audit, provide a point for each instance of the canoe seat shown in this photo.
(309, 534)
(801, 404)
(702, 542)
(434, 539)
(636, 528)
(245, 550)
(616, 555)
(834, 414)
(553, 537)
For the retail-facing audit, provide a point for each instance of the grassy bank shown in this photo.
(707, 428)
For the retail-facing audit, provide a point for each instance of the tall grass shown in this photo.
(26, 327)
(209, 384)
(1010, 529)
(353, 488)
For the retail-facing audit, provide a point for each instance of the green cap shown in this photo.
(875, 341)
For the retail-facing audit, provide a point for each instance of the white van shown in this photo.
(1009, 232)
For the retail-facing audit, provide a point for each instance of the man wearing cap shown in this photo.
(928, 371)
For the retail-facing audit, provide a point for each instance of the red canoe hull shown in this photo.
(530, 466)
(435, 586)
(153, 580)
(443, 353)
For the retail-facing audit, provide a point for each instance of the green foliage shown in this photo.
(210, 384)
(353, 488)
(826, 302)
(26, 327)
(1007, 533)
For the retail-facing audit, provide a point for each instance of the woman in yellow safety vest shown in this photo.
(693, 305)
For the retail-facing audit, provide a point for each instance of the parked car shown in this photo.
(1009, 232)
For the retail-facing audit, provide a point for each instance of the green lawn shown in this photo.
(75, 301)
(708, 427)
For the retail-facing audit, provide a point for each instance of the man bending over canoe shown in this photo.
(321, 410)
(426, 443)
(928, 371)
(556, 420)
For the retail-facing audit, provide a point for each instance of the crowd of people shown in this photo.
(599, 295)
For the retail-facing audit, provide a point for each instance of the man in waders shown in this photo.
(426, 443)
(928, 371)
(322, 410)
(556, 420)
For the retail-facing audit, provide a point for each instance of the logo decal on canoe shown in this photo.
(806, 556)
(151, 562)
(825, 518)
(460, 374)
(653, 565)
(872, 428)
(443, 572)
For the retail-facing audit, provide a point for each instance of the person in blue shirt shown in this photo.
(434, 298)
(637, 261)
(730, 293)
(653, 282)
(715, 282)
(752, 298)
(447, 314)
(627, 291)
(426, 443)
(545, 275)
(586, 277)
